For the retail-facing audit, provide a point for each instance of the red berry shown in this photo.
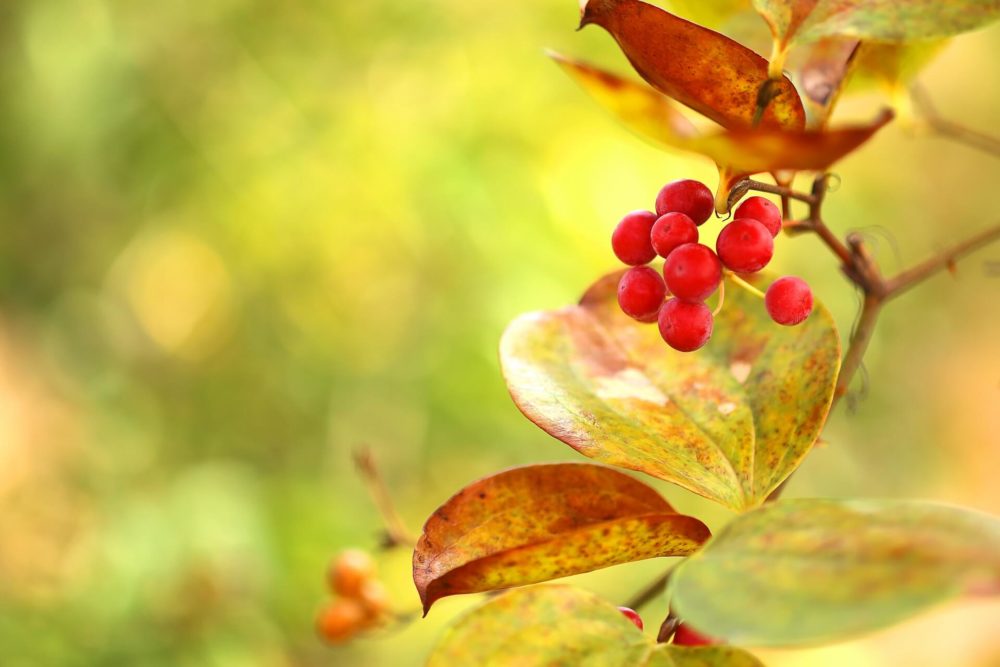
(685, 326)
(671, 230)
(763, 211)
(687, 196)
(686, 636)
(745, 246)
(789, 300)
(640, 293)
(692, 272)
(630, 240)
(631, 615)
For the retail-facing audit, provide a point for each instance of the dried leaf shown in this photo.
(540, 522)
(805, 571)
(729, 422)
(705, 70)
(560, 626)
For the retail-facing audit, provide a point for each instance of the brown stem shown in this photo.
(946, 128)
(649, 593)
(906, 279)
(396, 533)
(859, 344)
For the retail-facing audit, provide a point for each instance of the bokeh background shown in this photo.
(239, 239)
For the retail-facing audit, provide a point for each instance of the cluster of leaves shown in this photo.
(729, 423)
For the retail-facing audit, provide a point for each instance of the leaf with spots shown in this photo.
(803, 21)
(729, 422)
(737, 152)
(700, 68)
(822, 570)
(540, 522)
(561, 626)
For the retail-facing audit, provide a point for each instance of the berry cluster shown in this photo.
(692, 271)
(360, 600)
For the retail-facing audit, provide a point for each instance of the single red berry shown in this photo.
(692, 272)
(640, 293)
(686, 636)
(789, 300)
(763, 211)
(631, 615)
(745, 246)
(630, 240)
(686, 196)
(671, 230)
(685, 326)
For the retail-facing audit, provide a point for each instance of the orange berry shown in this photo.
(349, 571)
(340, 620)
(374, 598)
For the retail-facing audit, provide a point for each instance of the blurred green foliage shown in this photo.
(239, 239)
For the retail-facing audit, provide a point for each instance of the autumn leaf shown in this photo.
(540, 522)
(822, 570)
(560, 626)
(802, 21)
(729, 422)
(736, 152)
(702, 69)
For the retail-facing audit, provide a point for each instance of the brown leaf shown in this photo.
(540, 522)
(705, 70)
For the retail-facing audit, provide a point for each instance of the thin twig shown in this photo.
(651, 591)
(974, 139)
(396, 533)
(906, 279)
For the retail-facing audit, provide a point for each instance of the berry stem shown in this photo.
(722, 297)
(650, 591)
(747, 286)
(396, 533)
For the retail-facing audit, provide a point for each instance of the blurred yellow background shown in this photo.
(240, 239)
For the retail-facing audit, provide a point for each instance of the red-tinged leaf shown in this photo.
(754, 151)
(714, 75)
(646, 112)
(560, 626)
(823, 570)
(729, 422)
(801, 21)
(540, 522)
(823, 74)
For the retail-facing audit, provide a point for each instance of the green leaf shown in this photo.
(729, 422)
(802, 21)
(540, 522)
(805, 571)
(560, 626)
(702, 69)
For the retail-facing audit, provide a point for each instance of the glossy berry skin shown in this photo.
(685, 326)
(341, 620)
(671, 230)
(641, 292)
(685, 636)
(692, 272)
(630, 240)
(631, 615)
(789, 300)
(690, 197)
(763, 211)
(349, 572)
(745, 246)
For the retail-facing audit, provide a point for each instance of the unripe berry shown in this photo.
(630, 240)
(685, 326)
(789, 300)
(631, 615)
(692, 272)
(685, 636)
(349, 571)
(640, 293)
(763, 211)
(745, 246)
(340, 620)
(671, 230)
(687, 196)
